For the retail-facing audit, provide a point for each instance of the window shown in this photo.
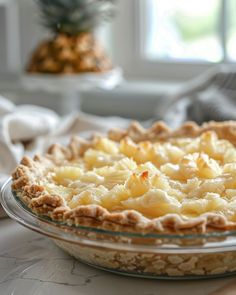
(183, 30)
(177, 39)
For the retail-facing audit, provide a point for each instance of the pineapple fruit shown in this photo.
(73, 48)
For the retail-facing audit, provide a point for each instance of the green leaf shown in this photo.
(75, 16)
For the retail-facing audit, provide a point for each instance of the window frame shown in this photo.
(128, 33)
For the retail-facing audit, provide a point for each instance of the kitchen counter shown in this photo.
(31, 264)
(150, 98)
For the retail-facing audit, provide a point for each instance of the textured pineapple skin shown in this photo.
(69, 54)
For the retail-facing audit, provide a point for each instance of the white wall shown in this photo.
(3, 64)
(9, 37)
(30, 30)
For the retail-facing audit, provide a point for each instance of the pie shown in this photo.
(154, 180)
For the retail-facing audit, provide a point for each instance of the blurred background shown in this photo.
(158, 44)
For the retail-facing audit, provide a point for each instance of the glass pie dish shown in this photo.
(156, 256)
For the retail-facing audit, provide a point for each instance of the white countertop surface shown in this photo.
(31, 264)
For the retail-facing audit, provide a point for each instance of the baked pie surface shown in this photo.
(154, 180)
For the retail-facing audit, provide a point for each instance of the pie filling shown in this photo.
(186, 176)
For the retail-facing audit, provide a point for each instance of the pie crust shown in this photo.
(35, 196)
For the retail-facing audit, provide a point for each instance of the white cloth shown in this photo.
(29, 129)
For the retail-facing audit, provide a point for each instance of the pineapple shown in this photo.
(73, 47)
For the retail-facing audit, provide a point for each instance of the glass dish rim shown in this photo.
(47, 220)
(52, 230)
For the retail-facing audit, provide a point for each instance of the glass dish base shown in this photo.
(155, 277)
(154, 265)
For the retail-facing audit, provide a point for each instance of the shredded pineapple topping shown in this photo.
(187, 176)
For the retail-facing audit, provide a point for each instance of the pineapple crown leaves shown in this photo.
(75, 16)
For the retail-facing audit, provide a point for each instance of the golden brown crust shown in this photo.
(160, 131)
(40, 202)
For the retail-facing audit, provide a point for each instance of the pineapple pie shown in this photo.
(73, 47)
(139, 180)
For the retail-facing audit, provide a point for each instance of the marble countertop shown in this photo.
(31, 264)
